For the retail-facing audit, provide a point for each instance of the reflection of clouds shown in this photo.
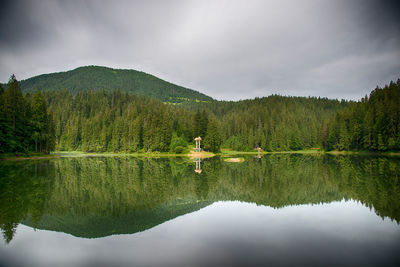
(225, 233)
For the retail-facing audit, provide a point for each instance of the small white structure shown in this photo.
(259, 152)
(198, 148)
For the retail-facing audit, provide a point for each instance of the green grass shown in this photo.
(187, 153)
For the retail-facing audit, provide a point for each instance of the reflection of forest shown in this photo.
(93, 197)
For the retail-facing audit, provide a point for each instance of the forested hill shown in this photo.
(114, 121)
(99, 78)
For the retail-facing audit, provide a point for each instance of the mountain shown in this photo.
(99, 78)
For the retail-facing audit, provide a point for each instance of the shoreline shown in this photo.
(203, 154)
(143, 154)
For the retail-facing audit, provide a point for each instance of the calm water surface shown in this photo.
(279, 210)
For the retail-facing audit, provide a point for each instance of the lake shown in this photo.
(277, 210)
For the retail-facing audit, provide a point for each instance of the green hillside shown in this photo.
(99, 78)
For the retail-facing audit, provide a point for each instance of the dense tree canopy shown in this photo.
(25, 124)
(372, 124)
(102, 78)
(116, 121)
(99, 121)
(273, 123)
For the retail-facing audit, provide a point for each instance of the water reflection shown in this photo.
(97, 197)
(25, 188)
(198, 165)
(228, 233)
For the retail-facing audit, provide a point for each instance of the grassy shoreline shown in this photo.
(203, 154)
(228, 152)
(223, 153)
(153, 154)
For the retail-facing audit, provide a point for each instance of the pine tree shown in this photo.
(371, 124)
(14, 108)
(3, 123)
(40, 122)
(212, 140)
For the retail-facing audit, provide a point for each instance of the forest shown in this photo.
(108, 79)
(101, 121)
(372, 124)
(120, 121)
(25, 124)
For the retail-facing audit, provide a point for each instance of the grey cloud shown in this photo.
(226, 49)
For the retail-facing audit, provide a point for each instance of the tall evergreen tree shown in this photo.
(212, 140)
(16, 121)
(25, 122)
(40, 122)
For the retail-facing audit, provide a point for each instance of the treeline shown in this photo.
(372, 124)
(274, 123)
(25, 125)
(104, 121)
(101, 121)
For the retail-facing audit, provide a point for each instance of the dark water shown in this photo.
(280, 210)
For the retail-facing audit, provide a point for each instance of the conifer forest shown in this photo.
(106, 120)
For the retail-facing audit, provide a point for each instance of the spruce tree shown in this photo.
(14, 108)
(40, 122)
(212, 140)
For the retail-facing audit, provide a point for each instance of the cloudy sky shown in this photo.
(227, 49)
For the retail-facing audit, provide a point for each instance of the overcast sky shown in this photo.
(226, 49)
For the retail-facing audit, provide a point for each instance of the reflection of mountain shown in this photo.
(94, 197)
(93, 226)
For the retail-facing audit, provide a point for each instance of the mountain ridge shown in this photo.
(109, 79)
